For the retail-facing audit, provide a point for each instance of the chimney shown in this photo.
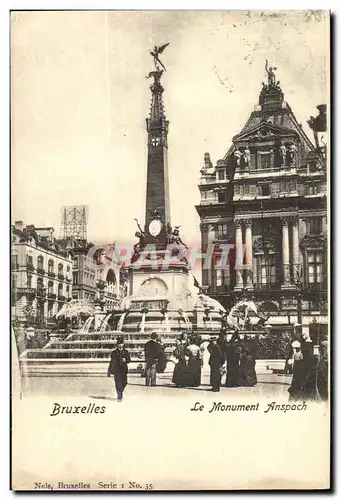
(18, 224)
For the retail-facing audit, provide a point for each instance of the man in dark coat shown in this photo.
(118, 367)
(216, 361)
(153, 352)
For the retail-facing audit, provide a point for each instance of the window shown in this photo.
(60, 290)
(75, 278)
(315, 262)
(222, 277)
(264, 190)
(76, 261)
(155, 141)
(29, 281)
(50, 287)
(266, 269)
(221, 197)
(29, 261)
(312, 167)
(222, 229)
(204, 195)
(288, 186)
(314, 226)
(67, 291)
(265, 161)
(246, 189)
(40, 262)
(218, 277)
(313, 188)
(50, 266)
(221, 175)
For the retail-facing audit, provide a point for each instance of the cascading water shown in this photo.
(120, 322)
(186, 320)
(87, 325)
(105, 322)
(142, 328)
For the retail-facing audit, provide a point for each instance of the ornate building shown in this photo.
(41, 274)
(267, 199)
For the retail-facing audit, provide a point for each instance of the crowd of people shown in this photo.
(235, 358)
(310, 370)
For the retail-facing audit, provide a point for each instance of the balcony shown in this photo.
(221, 237)
(51, 273)
(40, 270)
(61, 298)
(52, 296)
(315, 287)
(61, 276)
(222, 289)
(26, 291)
(30, 267)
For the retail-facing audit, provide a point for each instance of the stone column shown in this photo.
(249, 254)
(238, 255)
(285, 253)
(296, 251)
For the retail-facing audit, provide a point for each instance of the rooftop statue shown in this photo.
(155, 54)
(271, 75)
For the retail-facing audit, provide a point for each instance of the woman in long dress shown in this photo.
(234, 349)
(180, 375)
(194, 364)
(247, 363)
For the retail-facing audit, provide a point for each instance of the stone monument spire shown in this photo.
(157, 186)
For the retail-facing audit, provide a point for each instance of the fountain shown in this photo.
(87, 325)
(105, 322)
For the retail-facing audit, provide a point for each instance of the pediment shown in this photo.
(265, 131)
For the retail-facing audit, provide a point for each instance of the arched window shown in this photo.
(40, 263)
(60, 271)
(110, 277)
(50, 287)
(60, 290)
(51, 266)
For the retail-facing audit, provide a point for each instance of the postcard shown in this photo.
(170, 263)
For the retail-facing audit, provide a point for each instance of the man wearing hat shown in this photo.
(118, 367)
(216, 363)
(153, 352)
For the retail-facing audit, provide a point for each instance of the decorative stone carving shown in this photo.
(246, 158)
(296, 269)
(292, 155)
(238, 155)
(286, 273)
(249, 277)
(204, 227)
(283, 154)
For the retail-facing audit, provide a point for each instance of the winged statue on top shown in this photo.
(155, 54)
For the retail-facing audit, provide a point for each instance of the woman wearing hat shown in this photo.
(118, 367)
(180, 376)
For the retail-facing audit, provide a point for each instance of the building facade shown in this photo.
(41, 274)
(267, 201)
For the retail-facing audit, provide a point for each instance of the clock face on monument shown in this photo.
(155, 227)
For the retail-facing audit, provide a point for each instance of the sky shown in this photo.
(79, 99)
